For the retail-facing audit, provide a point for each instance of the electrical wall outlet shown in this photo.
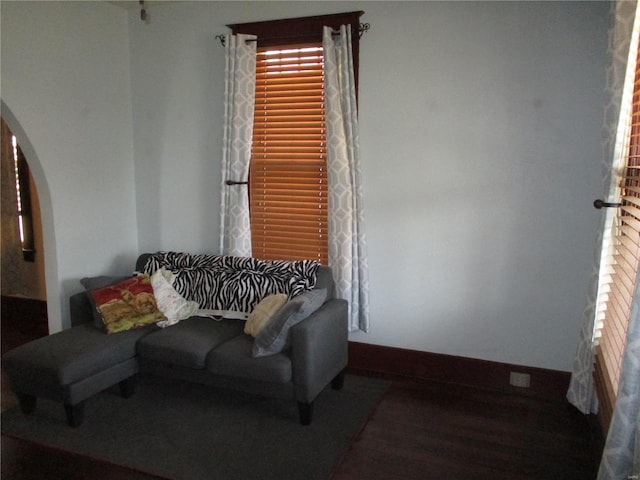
(522, 380)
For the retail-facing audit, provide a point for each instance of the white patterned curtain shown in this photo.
(347, 241)
(240, 78)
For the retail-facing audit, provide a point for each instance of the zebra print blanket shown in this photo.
(233, 285)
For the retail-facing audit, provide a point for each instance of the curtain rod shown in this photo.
(362, 28)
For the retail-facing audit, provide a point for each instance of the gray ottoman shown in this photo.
(72, 365)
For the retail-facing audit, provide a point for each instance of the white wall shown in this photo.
(66, 95)
(480, 137)
(481, 142)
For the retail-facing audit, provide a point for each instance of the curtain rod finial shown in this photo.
(143, 11)
(363, 28)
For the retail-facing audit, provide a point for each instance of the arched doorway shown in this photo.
(52, 282)
(23, 286)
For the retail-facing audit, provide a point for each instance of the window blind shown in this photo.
(288, 175)
(619, 271)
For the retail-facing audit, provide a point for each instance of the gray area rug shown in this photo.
(184, 431)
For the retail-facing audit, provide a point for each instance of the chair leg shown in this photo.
(27, 403)
(127, 386)
(338, 382)
(306, 412)
(75, 414)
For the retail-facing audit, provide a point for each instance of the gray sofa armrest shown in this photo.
(319, 349)
(80, 309)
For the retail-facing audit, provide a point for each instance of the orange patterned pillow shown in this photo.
(127, 304)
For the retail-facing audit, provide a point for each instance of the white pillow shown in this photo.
(173, 305)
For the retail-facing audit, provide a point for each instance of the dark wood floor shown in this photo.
(420, 430)
(435, 431)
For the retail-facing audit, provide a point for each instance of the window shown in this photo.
(616, 291)
(288, 176)
(23, 201)
(21, 181)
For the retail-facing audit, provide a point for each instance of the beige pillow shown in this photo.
(263, 312)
